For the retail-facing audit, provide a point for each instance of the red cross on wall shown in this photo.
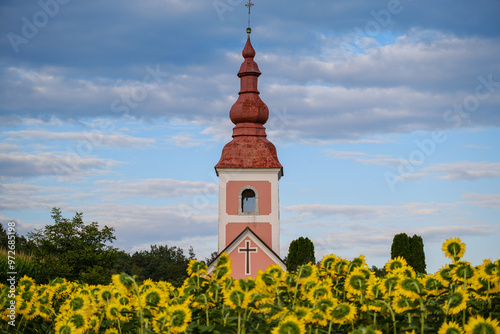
(247, 249)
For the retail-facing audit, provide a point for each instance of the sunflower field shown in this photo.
(336, 296)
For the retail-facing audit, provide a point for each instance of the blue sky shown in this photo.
(385, 115)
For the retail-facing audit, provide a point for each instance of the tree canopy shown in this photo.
(411, 249)
(300, 251)
(73, 250)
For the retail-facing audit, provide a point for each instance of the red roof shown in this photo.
(249, 147)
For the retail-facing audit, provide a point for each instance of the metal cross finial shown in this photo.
(249, 5)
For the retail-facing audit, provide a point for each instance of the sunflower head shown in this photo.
(462, 271)
(450, 328)
(343, 312)
(396, 263)
(290, 325)
(480, 325)
(197, 268)
(123, 281)
(454, 248)
(457, 302)
(179, 318)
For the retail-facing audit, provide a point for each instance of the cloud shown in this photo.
(138, 225)
(465, 170)
(351, 211)
(365, 158)
(65, 164)
(489, 201)
(95, 137)
(160, 188)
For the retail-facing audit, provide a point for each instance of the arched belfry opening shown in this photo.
(248, 201)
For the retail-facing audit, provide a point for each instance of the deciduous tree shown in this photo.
(73, 250)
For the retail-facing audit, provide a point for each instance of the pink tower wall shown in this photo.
(233, 189)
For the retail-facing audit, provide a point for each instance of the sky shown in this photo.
(385, 115)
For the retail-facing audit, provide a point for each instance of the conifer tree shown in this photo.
(401, 246)
(417, 254)
(301, 251)
(411, 249)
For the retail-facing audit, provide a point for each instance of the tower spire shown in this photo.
(249, 147)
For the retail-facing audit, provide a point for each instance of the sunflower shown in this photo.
(236, 297)
(66, 328)
(122, 282)
(290, 325)
(26, 283)
(153, 297)
(401, 304)
(431, 284)
(457, 302)
(480, 325)
(319, 292)
(307, 273)
(341, 267)
(389, 284)
(342, 313)
(358, 262)
(111, 331)
(46, 312)
(179, 318)
(199, 268)
(395, 263)
(357, 281)
(317, 317)
(79, 320)
(450, 328)
(222, 268)
(454, 248)
(94, 323)
(328, 262)
(444, 276)
(410, 288)
(301, 312)
(462, 271)
(113, 311)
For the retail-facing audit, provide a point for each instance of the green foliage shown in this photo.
(411, 249)
(417, 254)
(73, 250)
(300, 251)
(161, 263)
(400, 246)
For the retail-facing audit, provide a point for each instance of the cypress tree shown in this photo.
(417, 254)
(401, 246)
(300, 251)
(411, 249)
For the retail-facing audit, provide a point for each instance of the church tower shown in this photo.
(249, 171)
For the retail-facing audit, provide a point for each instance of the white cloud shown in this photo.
(489, 201)
(64, 164)
(465, 170)
(94, 138)
(160, 188)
